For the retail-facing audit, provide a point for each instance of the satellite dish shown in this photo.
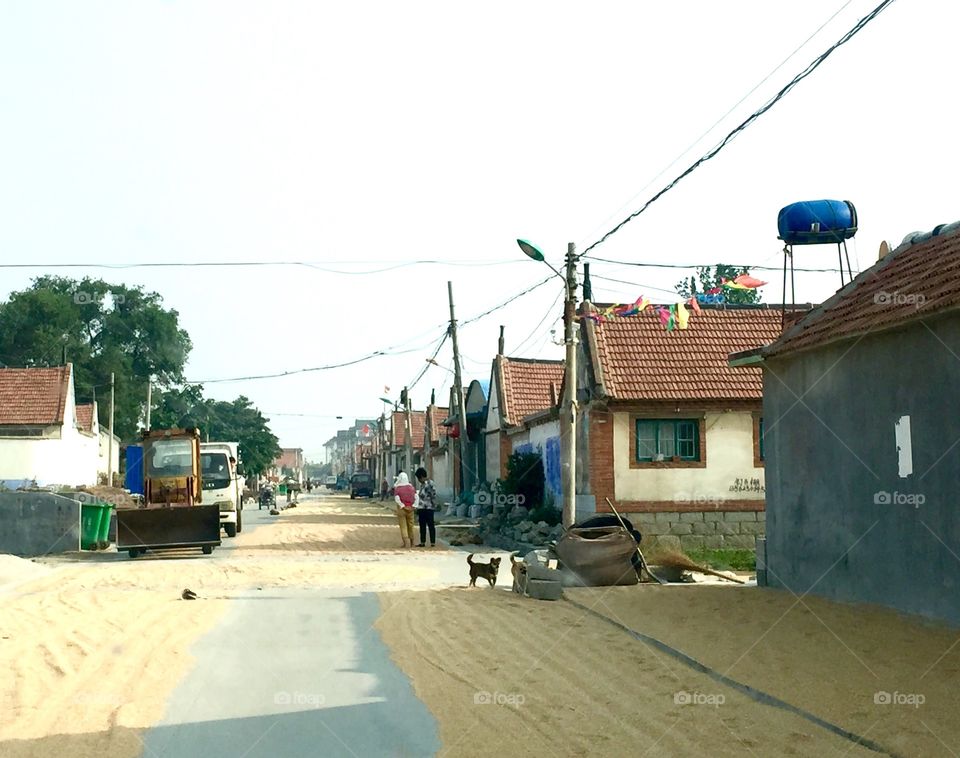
(884, 250)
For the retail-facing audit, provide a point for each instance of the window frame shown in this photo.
(699, 441)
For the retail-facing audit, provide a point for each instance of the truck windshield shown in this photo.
(214, 470)
(169, 458)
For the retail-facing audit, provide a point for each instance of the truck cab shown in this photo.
(222, 484)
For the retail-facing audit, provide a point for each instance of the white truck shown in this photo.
(222, 485)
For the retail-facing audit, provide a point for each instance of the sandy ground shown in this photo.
(571, 684)
(94, 643)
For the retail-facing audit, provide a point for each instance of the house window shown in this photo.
(666, 439)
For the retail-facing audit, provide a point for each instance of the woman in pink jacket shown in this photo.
(405, 496)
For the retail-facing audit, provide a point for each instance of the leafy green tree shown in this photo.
(100, 328)
(708, 278)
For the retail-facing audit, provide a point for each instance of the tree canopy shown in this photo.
(708, 278)
(222, 421)
(100, 328)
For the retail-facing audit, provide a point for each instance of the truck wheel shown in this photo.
(230, 529)
(207, 549)
(133, 553)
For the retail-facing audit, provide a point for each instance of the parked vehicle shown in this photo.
(342, 483)
(361, 485)
(173, 514)
(222, 485)
(330, 482)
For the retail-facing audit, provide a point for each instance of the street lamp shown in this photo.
(568, 435)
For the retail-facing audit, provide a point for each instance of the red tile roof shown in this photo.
(919, 278)
(636, 358)
(418, 421)
(34, 396)
(525, 386)
(85, 417)
(437, 416)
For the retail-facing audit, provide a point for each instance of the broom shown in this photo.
(678, 560)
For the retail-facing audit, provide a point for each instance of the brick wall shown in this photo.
(600, 442)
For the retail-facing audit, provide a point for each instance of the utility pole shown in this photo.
(110, 438)
(149, 389)
(458, 383)
(568, 422)
(408, 436)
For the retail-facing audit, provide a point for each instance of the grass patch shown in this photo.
(726, 559)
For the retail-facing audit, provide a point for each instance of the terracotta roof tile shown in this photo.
(525, 386)
(437, 416)
(418, 422)
(33, 396)
(85, 416)
(915, 280)
(640, 360)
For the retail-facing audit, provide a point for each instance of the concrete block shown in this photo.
(663, 542)
(642, 518)
(713, 516)
(678, 528)
(540, 589)
(741, 516)
(744, 541)
(691, 542)
(713, 542)
(691, 516)
(705, 527)
(752, 527)
(761, 516)
(665, 518)
(38, 523)
(729, 527)
(542, 574)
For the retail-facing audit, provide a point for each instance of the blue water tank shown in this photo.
(134, 477)
(817, 222)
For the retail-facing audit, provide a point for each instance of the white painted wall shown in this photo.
(443, 475)
(62, 456)
(492, 423)
(729, 438)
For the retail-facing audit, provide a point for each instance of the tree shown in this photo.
(710, 279)
(235, 421)
(100, 328)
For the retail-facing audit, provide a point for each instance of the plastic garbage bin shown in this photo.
(282, 489)
(91, 515)
(103, 536)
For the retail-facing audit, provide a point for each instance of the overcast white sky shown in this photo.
(358, 136)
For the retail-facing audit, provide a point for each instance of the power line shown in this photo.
(317, 265)
(507, 302)
(813, 66)
(530, 336)
(736, 105)
(708, 265)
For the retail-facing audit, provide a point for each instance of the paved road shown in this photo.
(301, 672)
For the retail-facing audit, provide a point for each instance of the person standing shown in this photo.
(426, 505)
(405, 496)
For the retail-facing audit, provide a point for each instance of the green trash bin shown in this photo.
(91, 515)
(103, 537)
(282, 489)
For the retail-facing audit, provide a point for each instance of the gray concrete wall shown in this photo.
(38, 523)
(695, 530)
(830, 455)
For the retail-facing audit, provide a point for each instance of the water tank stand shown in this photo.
(841, 255)
(788, 262)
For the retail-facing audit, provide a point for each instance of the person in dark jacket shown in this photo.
(427, 504)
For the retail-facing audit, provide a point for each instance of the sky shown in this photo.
(356, 139)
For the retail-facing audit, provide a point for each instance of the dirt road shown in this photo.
(315, 634)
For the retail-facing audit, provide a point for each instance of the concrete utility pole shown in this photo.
(110, 439)
(458, 384)
(568, 422)
(149, 403)
(408, 436)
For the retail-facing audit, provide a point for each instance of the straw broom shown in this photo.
(679, 560)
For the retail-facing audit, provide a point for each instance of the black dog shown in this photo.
(486, 570)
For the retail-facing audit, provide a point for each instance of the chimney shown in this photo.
(587, 288)
(554, 393)
(500, 343)
(884, 250)
(433, 397)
